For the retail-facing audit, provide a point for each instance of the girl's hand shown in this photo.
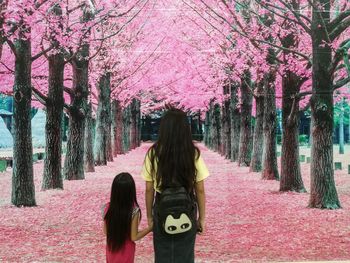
(201, 226)
(150, 226)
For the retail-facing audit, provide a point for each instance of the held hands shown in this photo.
(201, 226)
(150, 223)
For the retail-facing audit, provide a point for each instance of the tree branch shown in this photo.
(40, 96)
(336, 21)
(43, 52)
(339, 29)
(341, 83)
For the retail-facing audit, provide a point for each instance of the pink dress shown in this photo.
(127, 253)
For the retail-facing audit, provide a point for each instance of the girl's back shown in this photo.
(121, 220)
(126, 254)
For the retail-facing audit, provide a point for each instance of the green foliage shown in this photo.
(303, 139)
(339, 108)
(279, 138)
(3, 165)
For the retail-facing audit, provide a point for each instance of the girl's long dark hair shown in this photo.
(119, 215)
(173, 155)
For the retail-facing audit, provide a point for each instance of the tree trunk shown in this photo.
(341, 130)
(126, 129)
(65, 124)
(227, 130)
(117, 128)
(100, 151)
(212, 129)
(235, 122)
(245, 141)
(323, 193)
(200, 127)
(89, 162)
(291, 179)
(258, 142)
(217, 128)
(109, 121)
(222, 149)
(52, 178)
(270, 169)
(206, 129)
(211, 126)
(138, 123)
(133, 124)
(225, 124)
(23, 190)
(310, 134)
(74, 161)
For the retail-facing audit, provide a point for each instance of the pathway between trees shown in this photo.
(247, 219)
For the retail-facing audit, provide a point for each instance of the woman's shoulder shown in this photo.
(202, 170)
(150, 151)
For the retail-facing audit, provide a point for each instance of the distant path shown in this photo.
(247, 219)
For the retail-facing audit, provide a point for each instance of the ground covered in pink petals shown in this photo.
(247, 218)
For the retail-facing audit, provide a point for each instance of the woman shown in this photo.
(174, 159)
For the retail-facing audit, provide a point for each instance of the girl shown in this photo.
(121, 219)
(174, 159)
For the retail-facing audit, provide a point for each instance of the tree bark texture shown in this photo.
(126, 128)
(245, 141)
(206, 129)
(226, 126)
(217, 128)
(291, 179)
(227, 129)
(258, 142)
(133, 124)
(341, 130)
(23, 190)
(138, 123)
(52, 178)
(102, 121)
(117, 128)
(270, 169)
(323, 193)
(235, 122)
(89, 162)
(74, 161)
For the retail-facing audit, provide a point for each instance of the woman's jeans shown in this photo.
(178, 248)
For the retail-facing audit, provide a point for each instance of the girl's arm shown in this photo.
(200, 193)
(104, 227)
(149, 201)
(135, 234)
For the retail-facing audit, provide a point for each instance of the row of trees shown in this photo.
(58, 53)
(266, 54)
(286, 33)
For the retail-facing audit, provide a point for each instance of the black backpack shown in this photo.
(176, 210)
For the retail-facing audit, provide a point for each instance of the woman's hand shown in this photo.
(201, 226)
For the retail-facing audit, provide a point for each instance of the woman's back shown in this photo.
(173, 159)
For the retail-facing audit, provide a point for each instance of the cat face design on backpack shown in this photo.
(177, 225)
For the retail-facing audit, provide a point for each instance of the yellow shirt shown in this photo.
(202, 171)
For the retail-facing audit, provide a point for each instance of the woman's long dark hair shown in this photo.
(119, 215)
(173, 155)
